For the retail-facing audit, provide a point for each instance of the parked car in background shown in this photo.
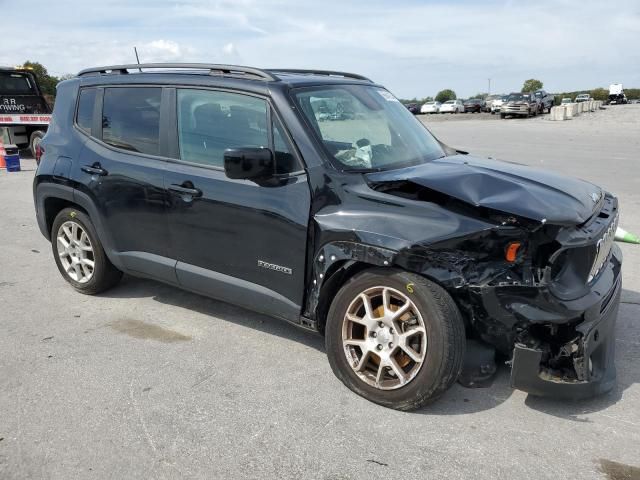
(566, 100)
(430, 107)
(452, 106)
(520, 104)
(413, 108)
(545, 101)
(497, 103)
(583, 97)
(473, 105)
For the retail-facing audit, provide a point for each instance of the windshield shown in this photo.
(516, 97)
(366, 128)
(15, 84)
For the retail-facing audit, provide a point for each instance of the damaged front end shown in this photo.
(551, 306)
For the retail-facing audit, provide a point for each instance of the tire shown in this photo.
(503, 116)
(34, 141)
(85, 279)
(441, 343)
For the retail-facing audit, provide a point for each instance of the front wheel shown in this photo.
(395, 338)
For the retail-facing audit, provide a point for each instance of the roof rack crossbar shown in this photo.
(214, 69)
(330, 73)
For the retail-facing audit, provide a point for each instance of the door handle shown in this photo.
(94, 169)
(191, 191)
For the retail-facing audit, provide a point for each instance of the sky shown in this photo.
(415, 48)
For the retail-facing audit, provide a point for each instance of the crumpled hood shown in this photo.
(511, 188)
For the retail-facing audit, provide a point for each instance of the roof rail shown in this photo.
(330, 73)
(214, 69)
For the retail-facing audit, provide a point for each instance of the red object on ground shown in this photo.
(3, 152)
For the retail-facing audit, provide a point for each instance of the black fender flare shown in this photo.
(334, 255)
(45, 191)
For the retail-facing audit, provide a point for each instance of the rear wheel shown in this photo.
(79, 254)
(34, 142)
(395, 338)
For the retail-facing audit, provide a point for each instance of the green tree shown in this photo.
(445, 95)
(600, 94)
(47, 82)
(531, 85)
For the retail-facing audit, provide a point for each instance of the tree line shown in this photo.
(530, 85)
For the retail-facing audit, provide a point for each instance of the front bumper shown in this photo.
(591, 353)
(515, 110)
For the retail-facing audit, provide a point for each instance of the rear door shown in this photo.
(234, 239)
(121, 169)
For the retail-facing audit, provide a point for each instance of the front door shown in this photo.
(234, 239)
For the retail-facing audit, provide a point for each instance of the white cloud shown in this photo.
(160, 51)
(414, 48)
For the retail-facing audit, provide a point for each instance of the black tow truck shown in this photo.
(24, 110)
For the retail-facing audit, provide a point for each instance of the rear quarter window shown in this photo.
(86, 103)
(131, 118)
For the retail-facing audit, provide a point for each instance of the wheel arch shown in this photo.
(52, 198)
(337, 262)
(333, 265)
(53, 206)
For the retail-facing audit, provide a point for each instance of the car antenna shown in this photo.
(137, 58)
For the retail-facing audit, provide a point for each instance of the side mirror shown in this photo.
(249, 163)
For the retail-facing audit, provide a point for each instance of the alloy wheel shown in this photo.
(384, 338)
(75, 252)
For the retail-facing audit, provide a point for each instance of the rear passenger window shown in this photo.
(210, 122)
(87, 100)
(131, 118)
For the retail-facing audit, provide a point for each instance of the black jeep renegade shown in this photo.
(317, 198)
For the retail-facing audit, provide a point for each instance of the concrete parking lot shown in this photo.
(147, 381)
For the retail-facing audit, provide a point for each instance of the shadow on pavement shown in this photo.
(456, 401)
(131, 287)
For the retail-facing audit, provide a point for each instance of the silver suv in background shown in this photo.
(522, 104)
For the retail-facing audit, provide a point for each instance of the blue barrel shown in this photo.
(13, 162)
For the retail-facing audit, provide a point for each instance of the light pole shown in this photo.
(489, 88)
